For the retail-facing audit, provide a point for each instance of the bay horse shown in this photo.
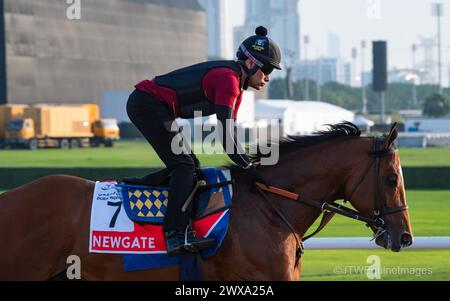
(45, 221)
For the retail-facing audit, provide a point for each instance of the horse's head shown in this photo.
(377, 191)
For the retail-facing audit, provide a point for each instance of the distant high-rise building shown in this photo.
(323, 70)
(334, 45)
(345, 73)
(220, 36)
(257, 10)
(239, 34)
(448, 76)
(281, 18)
(428, 63)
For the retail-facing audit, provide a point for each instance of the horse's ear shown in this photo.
(390, 139)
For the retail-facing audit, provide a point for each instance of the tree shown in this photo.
(277, 89)
(398, 97)
(435, 106)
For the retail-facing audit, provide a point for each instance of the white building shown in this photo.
(220, 35)
(405, 75)
(301, 117)
(425, 132)
(427, 124)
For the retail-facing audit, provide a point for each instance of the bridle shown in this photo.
(380, 206)
(330, 209)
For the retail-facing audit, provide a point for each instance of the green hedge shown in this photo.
(415, 177)
(14, 177)
(427, 177)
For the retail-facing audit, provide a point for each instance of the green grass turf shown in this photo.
(419, 265)
(425, 156)
(139, 153)
(123, 154)
(429, 211)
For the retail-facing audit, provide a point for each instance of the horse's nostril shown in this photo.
(406, 239)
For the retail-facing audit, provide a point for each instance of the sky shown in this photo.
(400, 22)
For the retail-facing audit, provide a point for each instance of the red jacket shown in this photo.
(221, 86)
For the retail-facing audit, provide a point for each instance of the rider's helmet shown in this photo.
(261, 50)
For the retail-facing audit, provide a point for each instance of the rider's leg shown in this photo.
(153, 120)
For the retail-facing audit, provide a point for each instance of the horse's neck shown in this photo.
(319, 172)
(258, 234)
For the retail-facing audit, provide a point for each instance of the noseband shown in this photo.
(330, 209)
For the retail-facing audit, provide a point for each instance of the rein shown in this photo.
(330, 209)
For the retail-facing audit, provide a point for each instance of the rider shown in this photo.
(214, 87)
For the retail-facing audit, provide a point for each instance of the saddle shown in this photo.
(159, 178)
(145, 200)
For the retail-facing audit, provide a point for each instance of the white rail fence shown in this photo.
(362, 243)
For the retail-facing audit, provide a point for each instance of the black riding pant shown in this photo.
(153, 119)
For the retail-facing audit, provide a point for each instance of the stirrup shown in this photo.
(198, 244)
(179, 245)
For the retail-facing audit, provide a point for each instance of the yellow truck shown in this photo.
(8, 112)
(63, 126)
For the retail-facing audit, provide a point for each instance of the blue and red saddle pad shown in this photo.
(147, 205)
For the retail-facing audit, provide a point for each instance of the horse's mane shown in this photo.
(292, 143)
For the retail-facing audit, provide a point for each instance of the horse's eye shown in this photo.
(392, 180)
